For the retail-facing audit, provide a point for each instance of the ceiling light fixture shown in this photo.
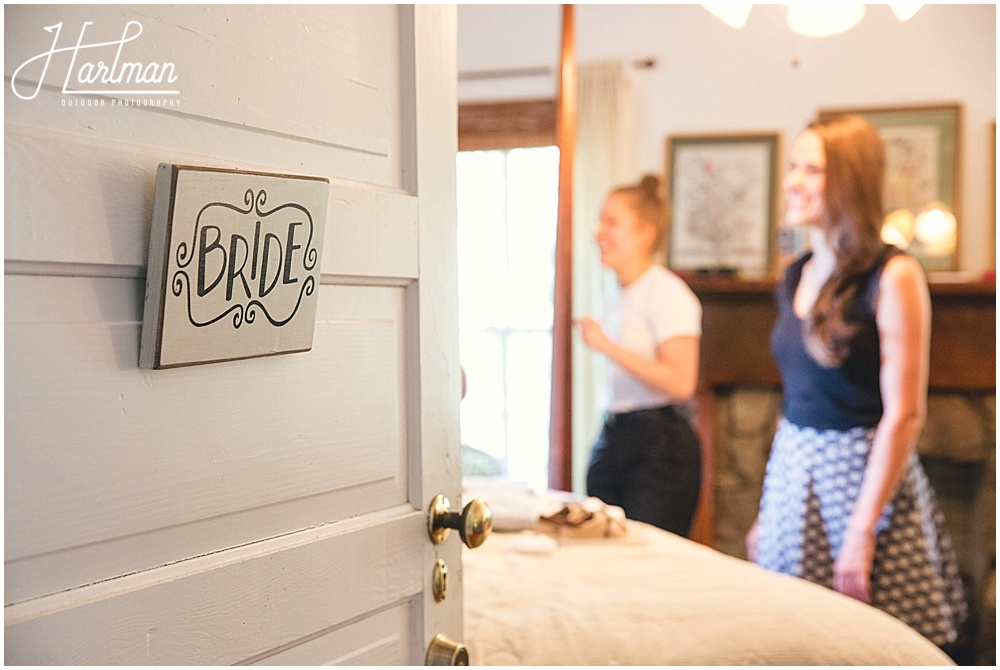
(812, 20)
(904, 11)
(824, 20)
(734, 14)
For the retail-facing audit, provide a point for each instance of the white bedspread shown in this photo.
(653, 598)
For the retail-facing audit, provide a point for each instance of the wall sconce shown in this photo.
(812, 20)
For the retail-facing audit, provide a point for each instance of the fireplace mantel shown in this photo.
(738, 316)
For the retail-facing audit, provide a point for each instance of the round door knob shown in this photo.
(474, 523)
(443, 651)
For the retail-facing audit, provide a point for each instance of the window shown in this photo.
(506, 245)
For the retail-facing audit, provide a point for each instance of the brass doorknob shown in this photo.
(473, 524)
(443, 651)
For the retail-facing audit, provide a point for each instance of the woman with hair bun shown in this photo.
(846, 503)
(647, 459)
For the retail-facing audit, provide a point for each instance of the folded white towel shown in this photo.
(515, 506)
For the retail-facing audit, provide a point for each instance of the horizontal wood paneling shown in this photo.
(377, 638)
(226, 608)
(328, 76)
(172, 136)
(79, 202)
(370, 234)
(95, 455)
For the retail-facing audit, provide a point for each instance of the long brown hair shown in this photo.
(855, 169)
(649, 206)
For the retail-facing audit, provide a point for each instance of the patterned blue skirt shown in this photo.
(812, 481)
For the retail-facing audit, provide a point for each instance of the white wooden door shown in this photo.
(263, 511)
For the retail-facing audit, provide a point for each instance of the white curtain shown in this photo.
(605, 158)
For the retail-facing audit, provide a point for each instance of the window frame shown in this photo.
(516, 124)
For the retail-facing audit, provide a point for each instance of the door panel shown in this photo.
(105, 190)
(377, 640)
(229, 607)
(252, 454)
(269, 510)
(328, 75)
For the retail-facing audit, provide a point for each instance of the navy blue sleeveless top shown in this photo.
(841, 397)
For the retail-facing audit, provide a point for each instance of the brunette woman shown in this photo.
(647, 459)
(846, 502)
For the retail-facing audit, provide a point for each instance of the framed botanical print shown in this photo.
(722, 191)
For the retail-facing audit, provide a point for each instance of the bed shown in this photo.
(610, 591)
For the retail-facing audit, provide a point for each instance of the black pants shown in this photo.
(648, 463)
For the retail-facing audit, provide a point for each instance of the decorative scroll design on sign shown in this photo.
(220, 266)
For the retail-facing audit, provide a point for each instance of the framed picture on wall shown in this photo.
(923, 166)
(722, 191)
(993, 187)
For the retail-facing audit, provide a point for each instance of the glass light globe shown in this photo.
(904, 11)
(935, 228)
(734, 14)
(823, 20)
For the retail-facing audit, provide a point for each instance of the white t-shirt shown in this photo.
(656, 307)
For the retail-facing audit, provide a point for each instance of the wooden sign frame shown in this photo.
(234, 265)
